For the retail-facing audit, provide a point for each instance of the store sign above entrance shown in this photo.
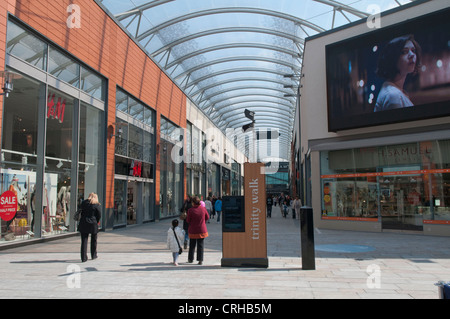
(136, 169)
(56, 109)
(8, 205)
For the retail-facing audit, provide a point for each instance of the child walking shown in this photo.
(175, 236)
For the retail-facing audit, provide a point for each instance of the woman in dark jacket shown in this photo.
(196, 217)
(89, 220)
(186, 205)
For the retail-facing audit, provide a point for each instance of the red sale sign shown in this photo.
(8, 205)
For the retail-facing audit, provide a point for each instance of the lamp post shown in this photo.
(7, 81)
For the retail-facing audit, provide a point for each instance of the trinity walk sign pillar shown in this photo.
(244, 241)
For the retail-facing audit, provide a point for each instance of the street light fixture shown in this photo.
(7, 81)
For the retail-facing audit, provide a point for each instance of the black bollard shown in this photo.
(307, 237)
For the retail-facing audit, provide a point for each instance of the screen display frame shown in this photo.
(233, 214)
(338, 116)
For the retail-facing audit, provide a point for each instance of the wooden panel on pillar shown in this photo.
(249, 248)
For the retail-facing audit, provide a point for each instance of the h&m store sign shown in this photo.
(56, 107)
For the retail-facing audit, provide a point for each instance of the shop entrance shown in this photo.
(134, 201)
(401, 202)
(132, 207)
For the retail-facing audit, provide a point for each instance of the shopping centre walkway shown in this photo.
(134, 263)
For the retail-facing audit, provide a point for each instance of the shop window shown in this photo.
(19, 155)
(121, 101)
(148, 147)
(120, 202)
(148, 117)
(136, 110)
(92, 84)
(63, 67)
(121, 145)
(90, 155)
(135, 142)
(171, 172)
(19, 167)
(58, 162)
(405, 185)
(24, 45)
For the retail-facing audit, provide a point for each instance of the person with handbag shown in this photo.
(89, 218)
(174, 236)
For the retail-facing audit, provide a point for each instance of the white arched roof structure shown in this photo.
(232, 55)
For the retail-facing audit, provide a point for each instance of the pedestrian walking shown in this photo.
(218, 208)
(286, 204)
(213, 202)
(209, 207)
(269, 203)
(175, 235)
(197, 217)
(297, 206)
(184, 209)
(90, 215)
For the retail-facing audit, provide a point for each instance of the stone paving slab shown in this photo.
(134, 263)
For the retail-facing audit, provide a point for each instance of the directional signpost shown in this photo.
(251, 116)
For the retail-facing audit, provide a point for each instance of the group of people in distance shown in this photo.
(286, 203)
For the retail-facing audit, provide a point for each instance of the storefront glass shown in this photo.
(235, 178)
(90, 172)
(404, 186)
(26, 46)
(213, 180)
(19, 156)
(52, 141)
(63, 67)
(225, 182)
(134, 169)
(58, 162)
(120, 202)
(171, 170)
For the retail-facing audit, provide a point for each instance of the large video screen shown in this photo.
(389, 75)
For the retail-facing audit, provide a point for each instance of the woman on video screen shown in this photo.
(401, 57)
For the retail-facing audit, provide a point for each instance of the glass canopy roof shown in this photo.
(232, 55)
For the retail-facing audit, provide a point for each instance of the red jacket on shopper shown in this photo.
(197, 217)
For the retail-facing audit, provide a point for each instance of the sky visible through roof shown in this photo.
(232, 55)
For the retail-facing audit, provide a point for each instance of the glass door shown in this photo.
(401, 198)
(132, 202)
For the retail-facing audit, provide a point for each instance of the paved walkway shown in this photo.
(134, 263)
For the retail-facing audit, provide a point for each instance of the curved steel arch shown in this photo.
(284, 114)
(194, 15)
(226, 107)
(290, 106)
(238, 58)
(241, 88)
(202, 86)
(141, 8)
(235, 70)
(234, 80)
(217, 112)
(292, 53)
(194, 36)
(275, 124)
